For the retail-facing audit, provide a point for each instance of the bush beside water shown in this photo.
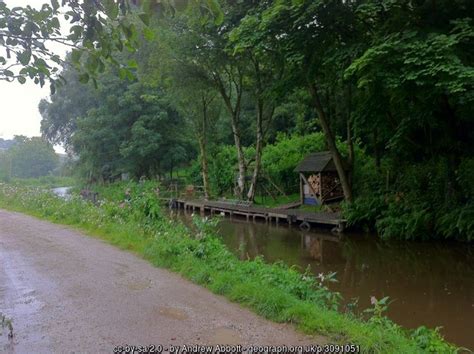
(275, 291)
(398, 199)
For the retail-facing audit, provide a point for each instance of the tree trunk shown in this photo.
(234, 111)
(331, 141)
(258, 152)
(240, 159)
(350, 141)
(202, 138)
(204, 166)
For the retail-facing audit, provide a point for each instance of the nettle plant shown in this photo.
(378, 309)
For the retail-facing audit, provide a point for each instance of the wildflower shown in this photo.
(373, 300)
(222, 213)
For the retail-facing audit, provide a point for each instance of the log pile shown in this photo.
(315, 183)
(331, 187)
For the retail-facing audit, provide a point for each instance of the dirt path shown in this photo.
(68, 292)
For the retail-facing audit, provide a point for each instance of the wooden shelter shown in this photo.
(319, 181)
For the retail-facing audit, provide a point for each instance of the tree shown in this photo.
(31, 157)
(308, 33)
(201, 44)
(96, 30)
(121, 126)
(265, 71)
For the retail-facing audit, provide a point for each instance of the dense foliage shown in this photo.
(387, 84)
(121, 127)
(138, 224)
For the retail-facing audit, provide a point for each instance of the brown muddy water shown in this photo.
(430, 284)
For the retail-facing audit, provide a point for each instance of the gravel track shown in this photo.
(67, 292)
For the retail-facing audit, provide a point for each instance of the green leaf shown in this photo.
(56, 59)
(119, 45)
(122, 73)
(55, 4)
(55, 23)
(24, 57)
(145, 18)
(21, 79)
(92, 63)
(84, 78)
(133, 64)
(216, 10)
(76, 32)
(148, 34)
(76, 56)
(111, 8)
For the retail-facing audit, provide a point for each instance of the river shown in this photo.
(430, 284)
(63, 192)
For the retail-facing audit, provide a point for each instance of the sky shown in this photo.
(19, 113)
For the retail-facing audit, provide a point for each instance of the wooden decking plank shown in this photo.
(324, 218)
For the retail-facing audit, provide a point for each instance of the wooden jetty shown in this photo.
(304, 219)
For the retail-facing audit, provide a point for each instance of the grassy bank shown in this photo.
(275, 291)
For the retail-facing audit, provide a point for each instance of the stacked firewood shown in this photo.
(331, 187)
(315, 183)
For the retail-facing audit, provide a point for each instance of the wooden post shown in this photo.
(321, 187)
(301, 190)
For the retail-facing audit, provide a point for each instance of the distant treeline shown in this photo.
(25, 157)
(6, 144)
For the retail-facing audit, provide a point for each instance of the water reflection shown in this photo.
(430, 283)
(62, 192)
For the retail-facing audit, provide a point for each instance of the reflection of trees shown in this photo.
(252, 241)
(240, 232)
(314, 245)
(246, 237)
(411, 260)
(347, 278)
(325, 249)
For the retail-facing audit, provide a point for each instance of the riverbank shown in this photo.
(418, 276)
(140, 226)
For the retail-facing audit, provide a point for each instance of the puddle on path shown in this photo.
(174, 313)
(225, 336)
